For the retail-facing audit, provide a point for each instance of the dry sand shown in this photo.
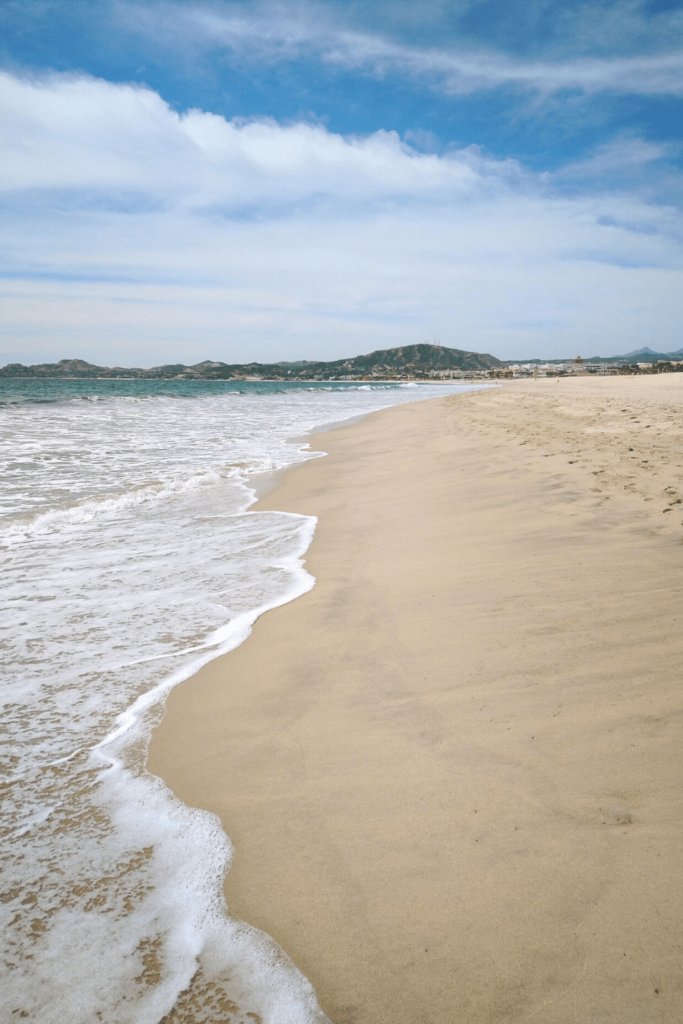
(452, 771)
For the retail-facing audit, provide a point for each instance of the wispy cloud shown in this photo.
(621, 156)
(272, 33)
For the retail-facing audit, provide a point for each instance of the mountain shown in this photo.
(639, 355)
(641, 352)
(422, 357)
(408, 360)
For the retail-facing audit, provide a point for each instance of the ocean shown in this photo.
(131, 558)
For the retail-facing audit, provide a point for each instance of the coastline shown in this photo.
(451, 770)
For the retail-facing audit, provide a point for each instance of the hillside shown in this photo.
(406, 361)
(419, 357)
(639, 355)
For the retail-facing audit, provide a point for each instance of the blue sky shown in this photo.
(241, 180)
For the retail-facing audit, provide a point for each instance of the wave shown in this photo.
(84, 512)
(157, 566)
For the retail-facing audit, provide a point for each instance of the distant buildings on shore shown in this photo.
(578, 367)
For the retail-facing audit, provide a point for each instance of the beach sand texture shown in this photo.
(452, 771)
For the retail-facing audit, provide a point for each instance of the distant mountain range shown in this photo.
(408, 360)
(639, 355)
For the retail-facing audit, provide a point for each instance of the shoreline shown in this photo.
(451, 770)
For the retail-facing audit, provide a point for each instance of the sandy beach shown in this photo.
(452, 771)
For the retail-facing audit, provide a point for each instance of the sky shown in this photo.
(243, 180)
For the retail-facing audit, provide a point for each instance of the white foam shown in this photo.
(130, 560)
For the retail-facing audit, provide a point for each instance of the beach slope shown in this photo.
(452, 771)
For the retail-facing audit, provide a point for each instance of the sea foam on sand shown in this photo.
(130, 559)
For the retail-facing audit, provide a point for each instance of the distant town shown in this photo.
(424, 362)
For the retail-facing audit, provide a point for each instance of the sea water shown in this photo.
(130, 558)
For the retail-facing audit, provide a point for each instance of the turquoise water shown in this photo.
(24, 389)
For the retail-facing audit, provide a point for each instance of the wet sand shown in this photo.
(452, 771)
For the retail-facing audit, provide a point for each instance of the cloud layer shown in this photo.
(138, 234)
(68, 133)
(273, 33)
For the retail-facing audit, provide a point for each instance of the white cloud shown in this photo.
(273, 32)
(135, 234)
(86, 134)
